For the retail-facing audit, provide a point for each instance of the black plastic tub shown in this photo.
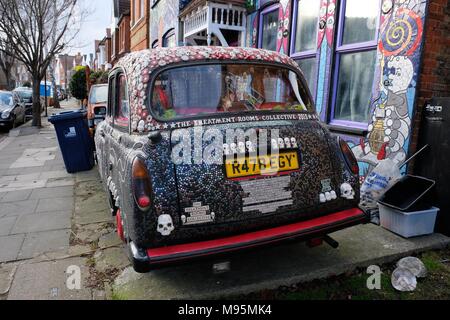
(410, 194)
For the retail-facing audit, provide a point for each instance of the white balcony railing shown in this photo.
(196, 21)
(212, 17)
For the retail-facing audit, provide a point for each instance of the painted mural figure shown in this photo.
(400, 37)
(389, 131)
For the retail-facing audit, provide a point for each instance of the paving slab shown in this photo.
(272, 267)
(7, 272)
(6, 224)
(19, 171)
(41, 222)
(10, 247)
(55, 174)
(18, 208)
(109, 240)
(14, 196)
(112, 258)
(50, 193)
(60, 182)
(14, 186)
(55, 204)
(48, 281)
(36, 244)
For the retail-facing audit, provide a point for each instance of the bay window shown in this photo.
(355, 60)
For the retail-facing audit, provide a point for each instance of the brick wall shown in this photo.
(435, 75)
(140, 38)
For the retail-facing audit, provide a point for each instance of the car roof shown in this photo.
(23, 89)
(140, 66)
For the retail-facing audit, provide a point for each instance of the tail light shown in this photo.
(349, 157)
(141, 184)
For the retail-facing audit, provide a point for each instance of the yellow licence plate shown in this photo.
(262, 165)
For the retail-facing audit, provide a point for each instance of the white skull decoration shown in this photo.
(294, 143)
(287, 143)
(275, 144)
(347, 191)
(233, 148)
(165, 225)
(281, 143)
(141, 126)
(249, 146)
(226, 150)
(241, 147)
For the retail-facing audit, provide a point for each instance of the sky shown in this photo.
(94, 28)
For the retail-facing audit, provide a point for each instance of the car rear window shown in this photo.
(224, 88)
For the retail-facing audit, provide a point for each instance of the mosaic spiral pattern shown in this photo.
(402, 34)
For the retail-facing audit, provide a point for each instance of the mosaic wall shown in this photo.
(396, 73)
(164, 17)
(396, 76)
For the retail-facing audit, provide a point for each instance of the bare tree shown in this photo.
(6, 62)
(39, 30)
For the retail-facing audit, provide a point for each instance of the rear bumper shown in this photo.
(302, 231)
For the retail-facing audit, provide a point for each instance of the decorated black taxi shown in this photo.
(209, 150)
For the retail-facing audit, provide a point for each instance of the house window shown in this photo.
(169, 39)
(355, 63)
(122, 110)
(304, 38)
(139, 7)
(269, 28)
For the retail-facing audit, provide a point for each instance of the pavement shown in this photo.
(58, 240)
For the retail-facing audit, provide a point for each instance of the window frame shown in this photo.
(341, 49)
(116, 93)
(138, 12)
(308, 54)
(167, 35)
(111, 99)
(155, 116)
(269, 9)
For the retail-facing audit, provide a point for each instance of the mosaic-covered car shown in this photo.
(209, 150)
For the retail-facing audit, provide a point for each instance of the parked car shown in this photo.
(12, 110)
(26, 95)
(96, 108)
(209, 150)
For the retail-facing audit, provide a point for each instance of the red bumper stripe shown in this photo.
(258, 236)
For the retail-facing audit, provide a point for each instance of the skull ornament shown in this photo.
(226, 149)
(287, 143)
(249, 146)
(241, 147)
(347, 191)
(281, 143)
(165, 225)
(141, 126)
(294, 143)
(274, 144)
